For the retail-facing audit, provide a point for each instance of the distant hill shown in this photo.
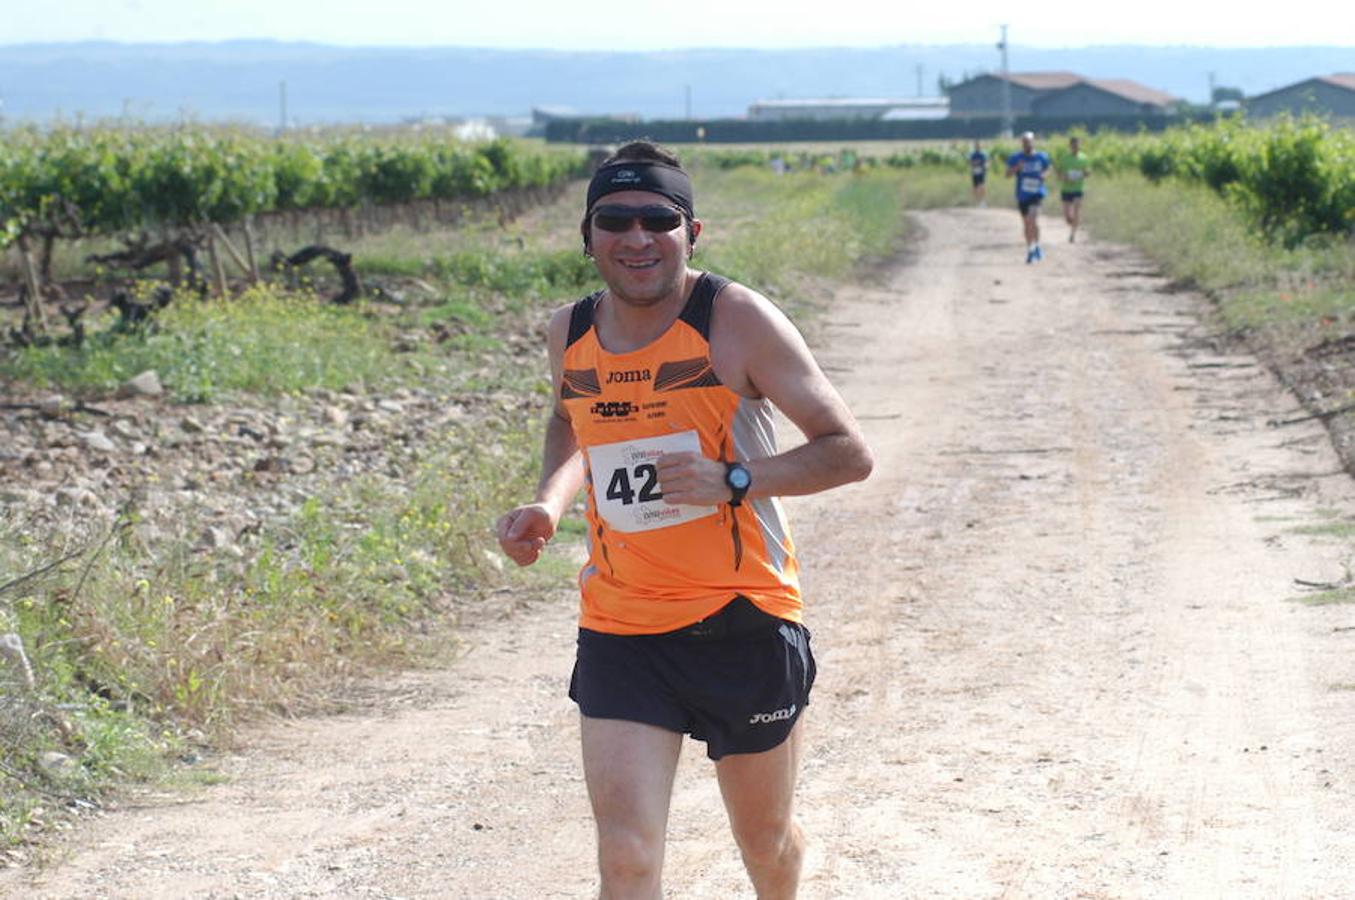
(239, 81)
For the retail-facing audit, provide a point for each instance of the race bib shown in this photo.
(626, 482)
(1074, 174)
(978, 168)
(1030, 184)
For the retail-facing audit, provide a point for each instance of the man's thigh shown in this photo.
(629, 768)
(759, 788)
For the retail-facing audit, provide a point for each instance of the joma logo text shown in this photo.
(628, 376)
(779, 715)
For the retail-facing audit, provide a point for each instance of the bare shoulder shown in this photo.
(559, 319)
(740, 308)
(750, 336)
(557, 332)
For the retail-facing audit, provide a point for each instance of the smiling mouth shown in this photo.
(639, 264)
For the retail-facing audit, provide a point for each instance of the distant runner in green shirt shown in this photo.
(1073, 167)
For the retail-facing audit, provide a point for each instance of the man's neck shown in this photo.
(624, 326)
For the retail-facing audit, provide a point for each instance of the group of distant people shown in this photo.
(1031, 168)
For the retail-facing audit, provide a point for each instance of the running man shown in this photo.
(978, 172)
(1073, 167)
(664, 383)
(1028, 167)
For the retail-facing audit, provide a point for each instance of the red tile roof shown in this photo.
(1341, 79)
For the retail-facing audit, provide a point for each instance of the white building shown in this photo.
(848, 108)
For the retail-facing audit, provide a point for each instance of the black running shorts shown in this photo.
(1026, 204)
(737, 680)
(1070, 196)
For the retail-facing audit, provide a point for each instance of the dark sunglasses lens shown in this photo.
(612, 222)
(660, 222)
(656, 220)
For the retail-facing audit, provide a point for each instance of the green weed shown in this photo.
(767, 230)
(265, 342)
(1344, 529)
(1329, 598)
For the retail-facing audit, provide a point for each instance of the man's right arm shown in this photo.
(524, 531)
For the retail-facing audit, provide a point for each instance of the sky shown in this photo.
(679, 24)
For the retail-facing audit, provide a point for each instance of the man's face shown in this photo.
(641, 267)
(1027, 144)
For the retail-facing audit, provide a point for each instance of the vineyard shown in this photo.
(193, 197)
(170, 195)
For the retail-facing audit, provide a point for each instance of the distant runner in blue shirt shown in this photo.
(1028, 167)
(978, 170)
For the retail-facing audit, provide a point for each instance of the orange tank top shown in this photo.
(654, 567)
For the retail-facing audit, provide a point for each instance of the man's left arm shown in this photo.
(776, 364)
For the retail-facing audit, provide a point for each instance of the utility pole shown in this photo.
(1006, 87)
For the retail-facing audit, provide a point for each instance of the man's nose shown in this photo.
(636, 234)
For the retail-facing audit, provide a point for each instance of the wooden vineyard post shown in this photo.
(172, 260)
(246, 267)
(36, 311)
(218, 271)
(249, 254)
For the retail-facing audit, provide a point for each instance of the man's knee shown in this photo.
(629, 856)
(771, 842)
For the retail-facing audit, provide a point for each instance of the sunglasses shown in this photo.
(654, 219)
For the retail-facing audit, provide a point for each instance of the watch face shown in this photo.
(739, 478)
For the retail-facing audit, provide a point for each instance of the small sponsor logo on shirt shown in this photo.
(628, 376)
(612, 409)
(779, 715)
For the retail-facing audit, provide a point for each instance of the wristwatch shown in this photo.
(738, 479)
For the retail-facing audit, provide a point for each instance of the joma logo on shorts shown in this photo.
(779, 715)
(628, 376)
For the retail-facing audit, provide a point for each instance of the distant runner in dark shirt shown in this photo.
(978, 171)
(1028, 167)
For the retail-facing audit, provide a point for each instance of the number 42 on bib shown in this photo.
(626, 485)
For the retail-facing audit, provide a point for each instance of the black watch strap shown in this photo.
(738, 479)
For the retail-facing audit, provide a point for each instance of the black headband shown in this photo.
(643, 175)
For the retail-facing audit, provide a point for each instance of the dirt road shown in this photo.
(1061, 648)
